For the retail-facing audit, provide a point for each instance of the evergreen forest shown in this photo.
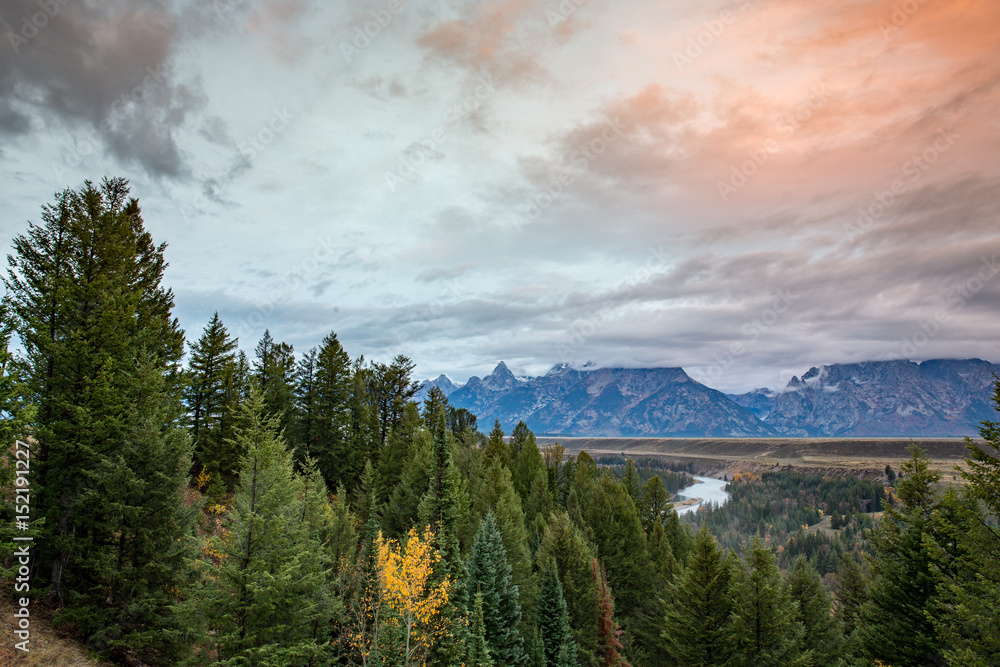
(196, 503)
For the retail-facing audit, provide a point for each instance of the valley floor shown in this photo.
(718, 456)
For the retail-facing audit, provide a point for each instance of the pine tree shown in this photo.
(390, 388)
(478, 654)
(102, 354)
(275, 371)
(967, 612)
(496, 446)
(765, 629)
(333, 447)
(664, 571)
(621, 548)
(608, 632)
(490, 577)
(564, 546)
(851, 593)
(653, 504)
(236, 383)
(496, 494)
(823, 636)
(558, 648)
(896, 625)
(307, 426)
(403, 507)
(446, 508)
(266, 595)
(519, 439)
(16, 415)
(630, 480)
(211, 357)
(696, 624)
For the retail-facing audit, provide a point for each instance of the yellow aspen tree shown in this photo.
(407, 588)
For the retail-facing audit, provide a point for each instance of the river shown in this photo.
(710, 490)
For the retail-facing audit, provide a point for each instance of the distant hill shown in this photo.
(607, 402)
(939, 398)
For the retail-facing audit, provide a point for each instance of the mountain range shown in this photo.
(937, 398)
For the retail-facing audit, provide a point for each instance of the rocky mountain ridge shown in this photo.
(936, 398)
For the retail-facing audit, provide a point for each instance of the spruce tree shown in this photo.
(823, 636)
(211, 356)
(275, 371)
(102, 353)
(496, 445)
(478, 654)
(765, 628)
(608, 632)
(564, 546)
(554, 635)
(621, 547)
(266, 598)
(236, 383)
(653, 504)
(389, 388)
(496, 494)
(696, 624)
(630, 480)
(307, 425)
(445, 508)
(968, 609)
(490, 577)
(333, 447)
(896, 620)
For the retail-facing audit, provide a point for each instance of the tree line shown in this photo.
(286, 510)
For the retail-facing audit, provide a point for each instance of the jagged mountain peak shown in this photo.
(606, 401)
(900, 398)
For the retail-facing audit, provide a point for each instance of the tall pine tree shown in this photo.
(696, 625)
(265, 598)
(490, 577)
(102, 353)
(211, 358)
(765, 631)
(554, 634)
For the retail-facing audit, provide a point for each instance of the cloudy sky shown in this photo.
(745, 189)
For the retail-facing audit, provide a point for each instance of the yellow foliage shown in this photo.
(216, 509)
(204, 478)
(747, 477)
(405, 573)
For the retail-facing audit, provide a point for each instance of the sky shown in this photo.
(745, 188)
